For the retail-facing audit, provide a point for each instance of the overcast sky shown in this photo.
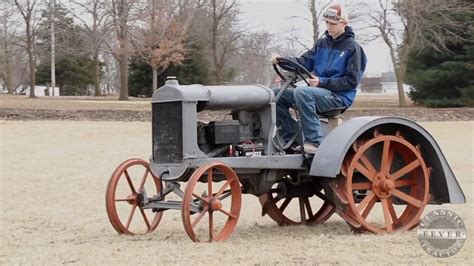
(274, 16)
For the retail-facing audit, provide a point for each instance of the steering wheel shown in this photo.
(294, 66)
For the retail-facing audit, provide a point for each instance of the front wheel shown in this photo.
(221, 204)
(131, 180)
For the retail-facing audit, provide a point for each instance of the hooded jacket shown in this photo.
(339, 63)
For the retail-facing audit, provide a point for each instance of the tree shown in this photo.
(402, 24)
(73, 74)
(224, 35)
(161, 42)
(120, 11)
(27, 10)
(95, 23)
(71, 51)
(6, 68)
(68, 36)
(252, 60)
(444, 79)
(193, 70)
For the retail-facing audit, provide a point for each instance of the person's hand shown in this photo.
(313, 81)
(274, 58)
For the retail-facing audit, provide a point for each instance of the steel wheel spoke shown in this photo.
(199, 217)
(209, 181)
(308, 208)
(122, 200)
(387, 157)
(211, 227)
(130, 216)
(368, 165)
(409, 199)
(226, 195)
(393, 214)
(365, 201)
(145, 218)
(285, 204)
(387, 215)
(369, 207)
(302, 210)
(142, 183)
(367, 173)
(408, 168)
(362, 186)
(200, 198)
(404, 182)
(227, 213)
(221, 190)
(129, 181)
(385, 162)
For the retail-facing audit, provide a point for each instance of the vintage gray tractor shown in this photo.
(377, 173)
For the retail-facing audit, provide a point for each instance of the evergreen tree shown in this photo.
(193, 70)
(73, 75)
(445, 78)
(74, 68)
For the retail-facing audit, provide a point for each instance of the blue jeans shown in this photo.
(310, 102)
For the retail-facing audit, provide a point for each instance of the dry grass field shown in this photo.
(54, 175)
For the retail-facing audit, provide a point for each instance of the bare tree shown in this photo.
(161, 40)
(253, 64)
(316, 10)
(6, 24)
(27, 10)
(223, 35)
(95, 21)
(120, 11)
(401, 24)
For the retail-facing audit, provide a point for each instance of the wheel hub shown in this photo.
(132, 199)
(215, 204)
(383, 186)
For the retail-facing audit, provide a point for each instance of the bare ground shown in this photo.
(53, 180)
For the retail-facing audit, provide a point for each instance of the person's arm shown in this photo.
(354, 71)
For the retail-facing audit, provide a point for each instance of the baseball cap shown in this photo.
(336, 13)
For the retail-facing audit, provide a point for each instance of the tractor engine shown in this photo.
(178, 135)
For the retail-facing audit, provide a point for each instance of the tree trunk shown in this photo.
(31, 60)
(123, 57)
(314, 18)
(399, 73)
(123, 78)
(155, 80)
(53, 52)
(97, 91)
(8, 73)
(401, 92)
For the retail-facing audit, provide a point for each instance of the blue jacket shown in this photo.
(339, 63)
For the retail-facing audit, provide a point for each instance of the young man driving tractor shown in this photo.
(337, 63)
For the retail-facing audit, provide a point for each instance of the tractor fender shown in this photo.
(444, 187)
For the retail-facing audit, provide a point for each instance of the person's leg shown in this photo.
(310, 101)
(287, 124)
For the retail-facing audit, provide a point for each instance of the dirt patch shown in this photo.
(139, 110)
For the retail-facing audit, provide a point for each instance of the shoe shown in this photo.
(309, 148)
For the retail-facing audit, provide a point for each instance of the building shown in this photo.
(371, 85)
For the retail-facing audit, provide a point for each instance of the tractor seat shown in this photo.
(332, 113)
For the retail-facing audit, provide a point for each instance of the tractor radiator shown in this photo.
(167, 130)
